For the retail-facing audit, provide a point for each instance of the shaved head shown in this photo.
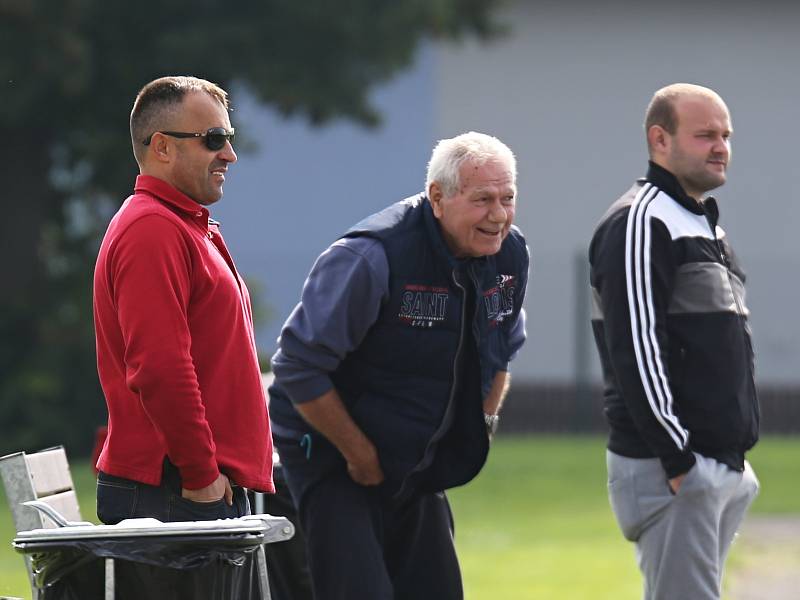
(662, 110)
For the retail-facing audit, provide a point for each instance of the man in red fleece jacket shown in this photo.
(188, 428)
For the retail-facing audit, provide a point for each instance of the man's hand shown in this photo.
(675, 483)
(220, 488)
(329, 416)
(364, 467)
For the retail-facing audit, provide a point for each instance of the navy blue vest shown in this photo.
(416, 383)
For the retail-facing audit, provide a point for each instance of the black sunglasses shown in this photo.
(215, 137)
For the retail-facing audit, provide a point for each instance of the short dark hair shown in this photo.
(158, 100)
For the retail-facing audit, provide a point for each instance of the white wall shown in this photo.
(567, 91)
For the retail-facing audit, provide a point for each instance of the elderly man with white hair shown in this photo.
(391, 372)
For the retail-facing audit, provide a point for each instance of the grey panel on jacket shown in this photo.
(597, 305)
(706, 287)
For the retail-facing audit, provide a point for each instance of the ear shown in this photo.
(658, 139)
(161, 148)
(435, 195)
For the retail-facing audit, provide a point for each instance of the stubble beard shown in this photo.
(696, 178)
(703, 181)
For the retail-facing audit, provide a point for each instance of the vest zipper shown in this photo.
(427, 456)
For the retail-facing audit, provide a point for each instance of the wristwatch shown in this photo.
(491, 423)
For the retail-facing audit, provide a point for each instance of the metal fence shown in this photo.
(561, 407)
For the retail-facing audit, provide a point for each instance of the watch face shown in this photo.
(491, 423)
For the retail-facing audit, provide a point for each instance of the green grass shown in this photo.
(534, 525)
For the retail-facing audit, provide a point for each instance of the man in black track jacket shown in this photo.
(671, 326)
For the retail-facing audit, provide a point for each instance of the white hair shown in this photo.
(477, 148)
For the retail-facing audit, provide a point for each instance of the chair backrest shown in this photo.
(41, 476)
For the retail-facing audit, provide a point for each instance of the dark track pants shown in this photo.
(361, 546)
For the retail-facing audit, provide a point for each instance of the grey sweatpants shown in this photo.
(682, 540)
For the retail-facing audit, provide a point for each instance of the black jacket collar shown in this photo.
(668, 183)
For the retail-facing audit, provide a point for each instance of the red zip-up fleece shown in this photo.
(176, 352)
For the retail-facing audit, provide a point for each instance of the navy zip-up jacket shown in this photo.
(413, 347)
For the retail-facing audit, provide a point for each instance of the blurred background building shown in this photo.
(566, 89)
(565, 84)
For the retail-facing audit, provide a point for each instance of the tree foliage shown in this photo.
(69, 70)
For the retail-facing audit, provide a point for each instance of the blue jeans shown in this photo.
(119, 498)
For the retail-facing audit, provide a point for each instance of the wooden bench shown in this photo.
(43, 476)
